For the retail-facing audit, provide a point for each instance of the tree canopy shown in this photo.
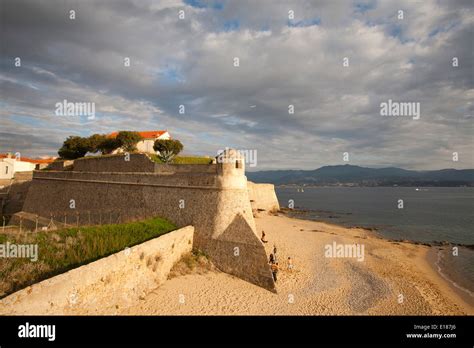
(108, 145)
(128, 140)
(167, 149)
(74, 147)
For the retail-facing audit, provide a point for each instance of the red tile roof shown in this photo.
(31, 160)
(145, 135)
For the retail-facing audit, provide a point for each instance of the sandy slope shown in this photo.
(317, 285)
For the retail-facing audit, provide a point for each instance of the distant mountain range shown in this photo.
(349, 175)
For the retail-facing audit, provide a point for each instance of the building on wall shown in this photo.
(149, 137)
(9, 165)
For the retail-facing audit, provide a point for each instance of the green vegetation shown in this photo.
(107, 146)
(167, 149)
(62, 250)
(96, 141)
(76, 147)
(191, 160)
(193, 262)
(184, 160)
(128, 140)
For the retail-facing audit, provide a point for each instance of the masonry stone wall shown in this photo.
(13, 195)
(263, 196)
(60, 165)
(214, 199)
(138, 163)
(126, 275)
(115, 163)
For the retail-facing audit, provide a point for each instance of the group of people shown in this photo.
(273, 261)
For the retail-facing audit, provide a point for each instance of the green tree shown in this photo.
(167, 149)
(108, 145)
(74, 147)
(128, 140)
(96, 141)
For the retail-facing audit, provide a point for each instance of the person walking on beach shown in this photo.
(275, 252)
(274, 270)
(271, 261)
(290, 264)
(263, 237)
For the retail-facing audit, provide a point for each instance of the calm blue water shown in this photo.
(429, 214)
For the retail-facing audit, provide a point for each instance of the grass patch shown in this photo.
(193, 262)
(184, 159)
(105, 155)
(65, 249)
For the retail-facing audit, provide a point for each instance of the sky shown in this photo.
(289, 53)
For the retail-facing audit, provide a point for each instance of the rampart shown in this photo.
(137, 163)
(213, 198)
(101, 284)
(263, 196)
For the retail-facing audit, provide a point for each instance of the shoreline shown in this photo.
(373, 229)
(317, 285)
(465, 294)
(449, 287)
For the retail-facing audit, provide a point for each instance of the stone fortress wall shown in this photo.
(13, 193)
(263, 196)
(99, 285)
(213, 198)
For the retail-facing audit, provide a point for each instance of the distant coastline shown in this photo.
(356, 176)
(384, 184)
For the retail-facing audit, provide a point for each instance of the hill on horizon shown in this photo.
(351, 175)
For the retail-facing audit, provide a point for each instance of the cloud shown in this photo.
(191, 61)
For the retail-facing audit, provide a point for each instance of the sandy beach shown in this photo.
(393, 279)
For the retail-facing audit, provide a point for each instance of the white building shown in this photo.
(149, 137)
(9, 165)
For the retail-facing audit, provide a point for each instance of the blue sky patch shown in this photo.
(304, 23)
(365, 6)
(216, 5)
(232, 25)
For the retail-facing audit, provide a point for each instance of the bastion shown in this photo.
(214, 198)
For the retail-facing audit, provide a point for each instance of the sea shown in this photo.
(424, 214)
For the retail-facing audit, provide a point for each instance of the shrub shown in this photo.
(74, 147)
(167, 149)
(108, 145)
(95, 142)
(128, 140)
